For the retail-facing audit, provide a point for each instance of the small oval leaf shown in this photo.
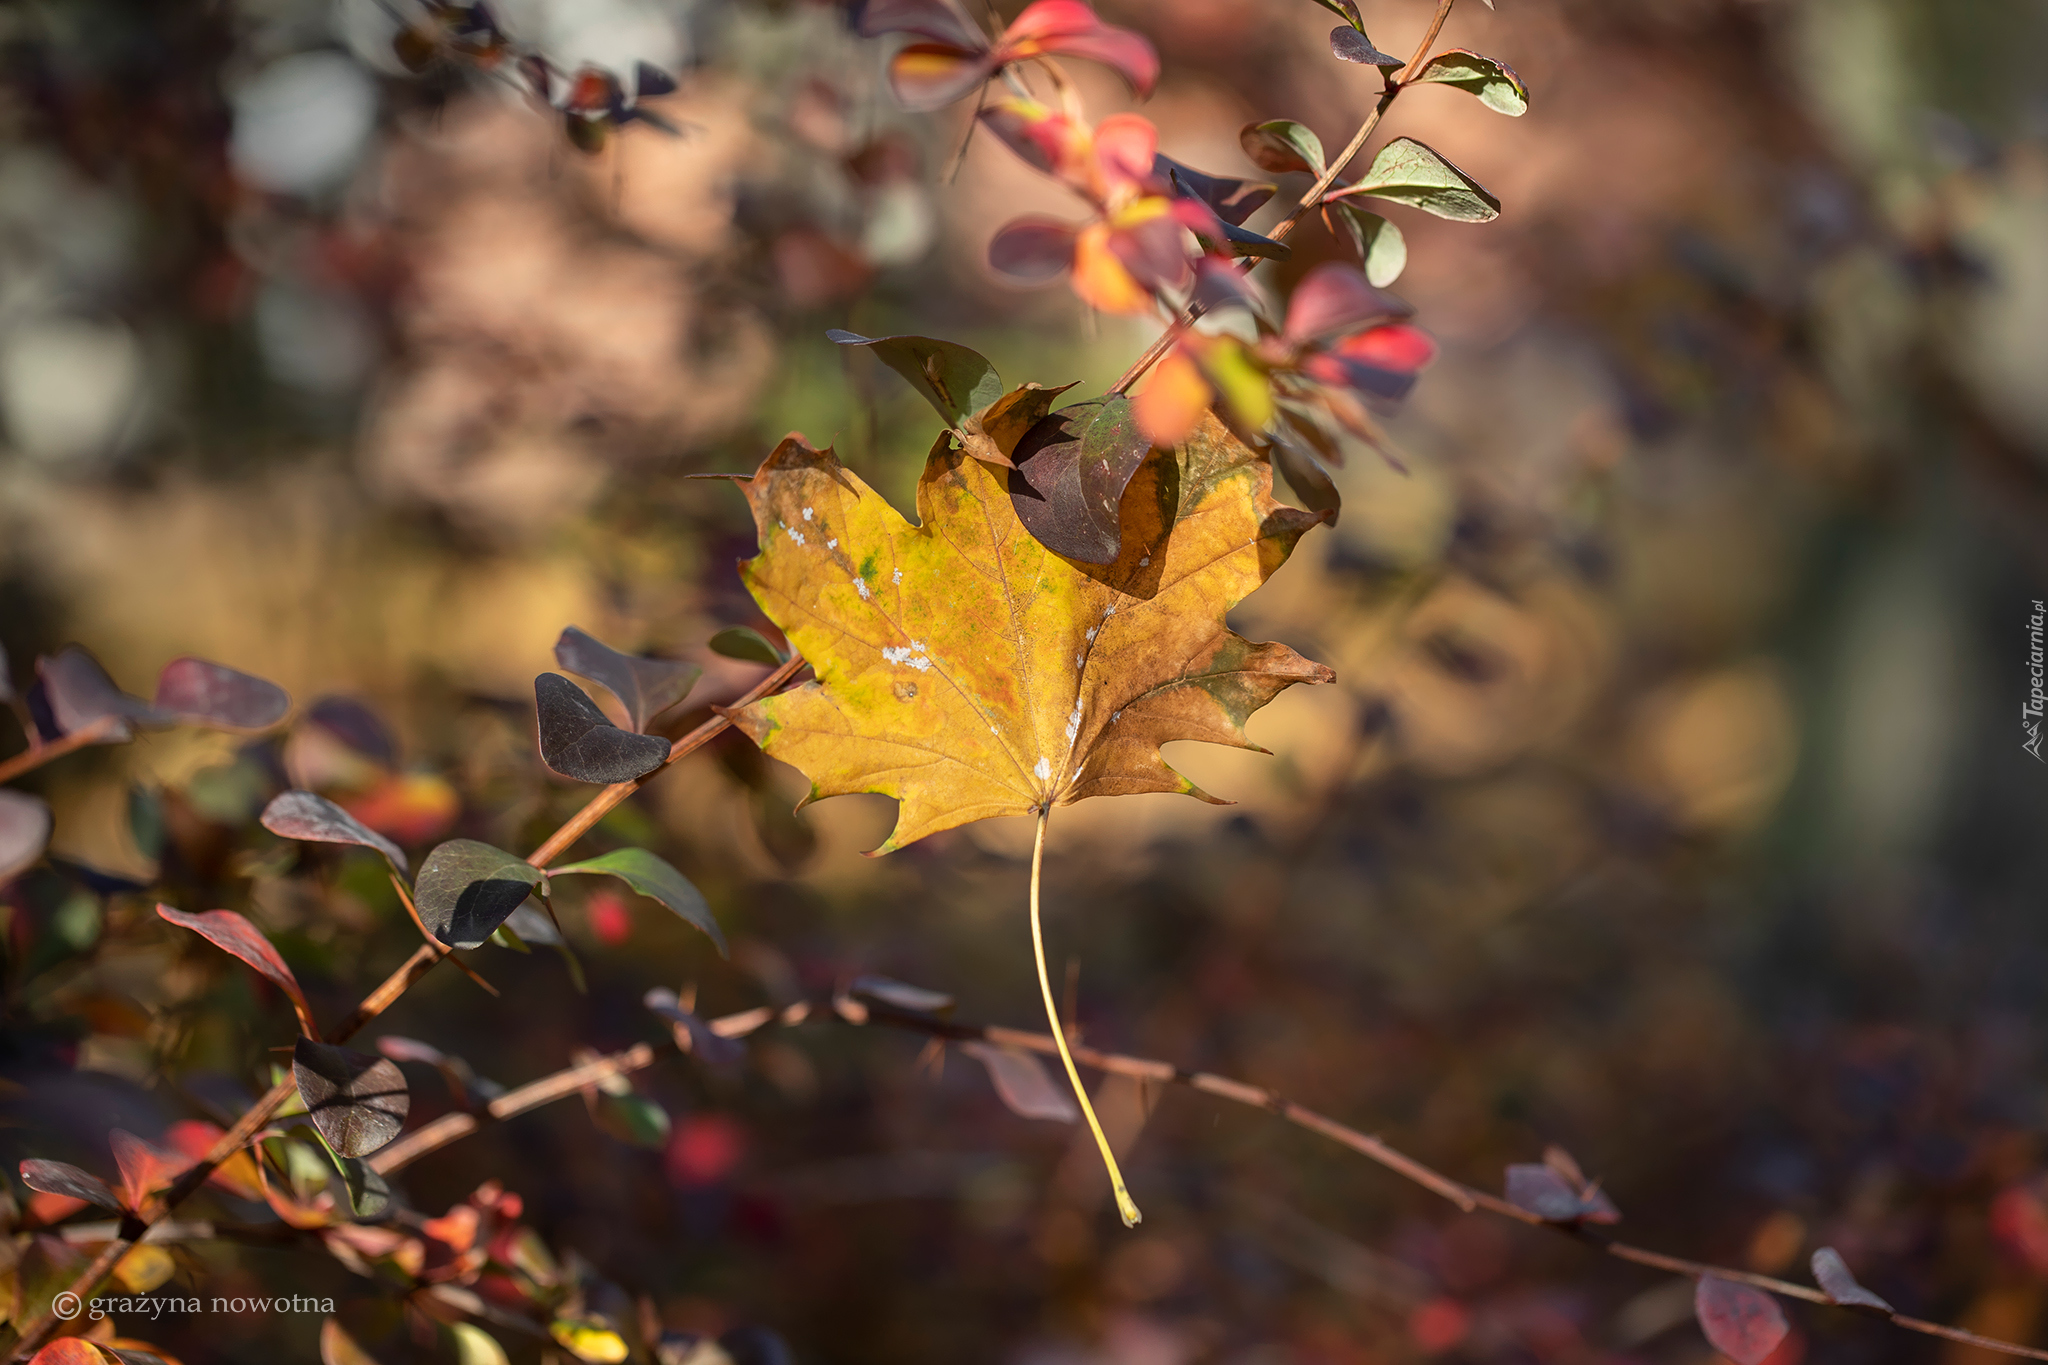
(1023, 1083)
(234, 935)
(1072, 469)
(1382, 250)
(213, 694)
(1349, 44)
(315, 819)
(61, 1177)
(369, 1194)
(1743, 1323)
(746, 645)
(651, 877)
(1408, 172)
(1282, 145)
(901, 995)
(356, 1102)
(577, 741)
(955, 379)
(145, 1168)
(1495, 83)
(78, 692)
(645, 687)
(467, 889)
(1831, 1273)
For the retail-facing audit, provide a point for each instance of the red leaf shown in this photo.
(1741, 1323)
(229, 932)
(237, 1175)
(1068, 28)
(69, 1351)
(1335, 297)
(1396, 347)
(144, 1169)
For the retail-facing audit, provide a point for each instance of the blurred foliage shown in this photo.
(1670, 804)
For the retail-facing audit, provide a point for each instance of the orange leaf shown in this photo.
(1100, 278)
(967, 671)
(1173, 400)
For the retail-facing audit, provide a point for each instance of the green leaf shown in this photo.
(466, 889)
(1280, 145)
(651, 877)
(738, 642)
(1309, 480)
(1407, 172)
(631, 1117)
(1382, 250)
(368, 1193)
(957, 381)
(1495, 83)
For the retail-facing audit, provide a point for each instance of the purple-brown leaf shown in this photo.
(577, 741)
(213, 694)
(78, 692)
(61, 1177)
(356, 1101)
(1831, 1273)
(1742, 1323)
(315, 819)
(232, 934)
(1023, 1083)
(1350, 45)
(645, 687)
(1071, 472)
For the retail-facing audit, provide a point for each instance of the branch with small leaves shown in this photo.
(463, 898)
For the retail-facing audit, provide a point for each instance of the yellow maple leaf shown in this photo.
(969, 672)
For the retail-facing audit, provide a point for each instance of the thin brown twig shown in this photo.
(1336, 166)
(452, 1127)
(1464, 1196)
(88, 1281)
(36, 755)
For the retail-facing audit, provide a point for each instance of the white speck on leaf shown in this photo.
(1091, 632)
(1109, 610)
(1043, 772)
(862, 584)
(832, 544)
(899, 576)
(794, 534)
(807, 514)
(1144, 560)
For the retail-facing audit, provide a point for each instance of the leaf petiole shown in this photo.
(1125, 1205)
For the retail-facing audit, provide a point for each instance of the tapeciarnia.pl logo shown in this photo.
(2037, 698)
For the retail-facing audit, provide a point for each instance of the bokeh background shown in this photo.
(1670, 803)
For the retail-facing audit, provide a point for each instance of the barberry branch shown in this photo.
(1394, 85)
(134, 1228)
(866, 1012)
(36, 755)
